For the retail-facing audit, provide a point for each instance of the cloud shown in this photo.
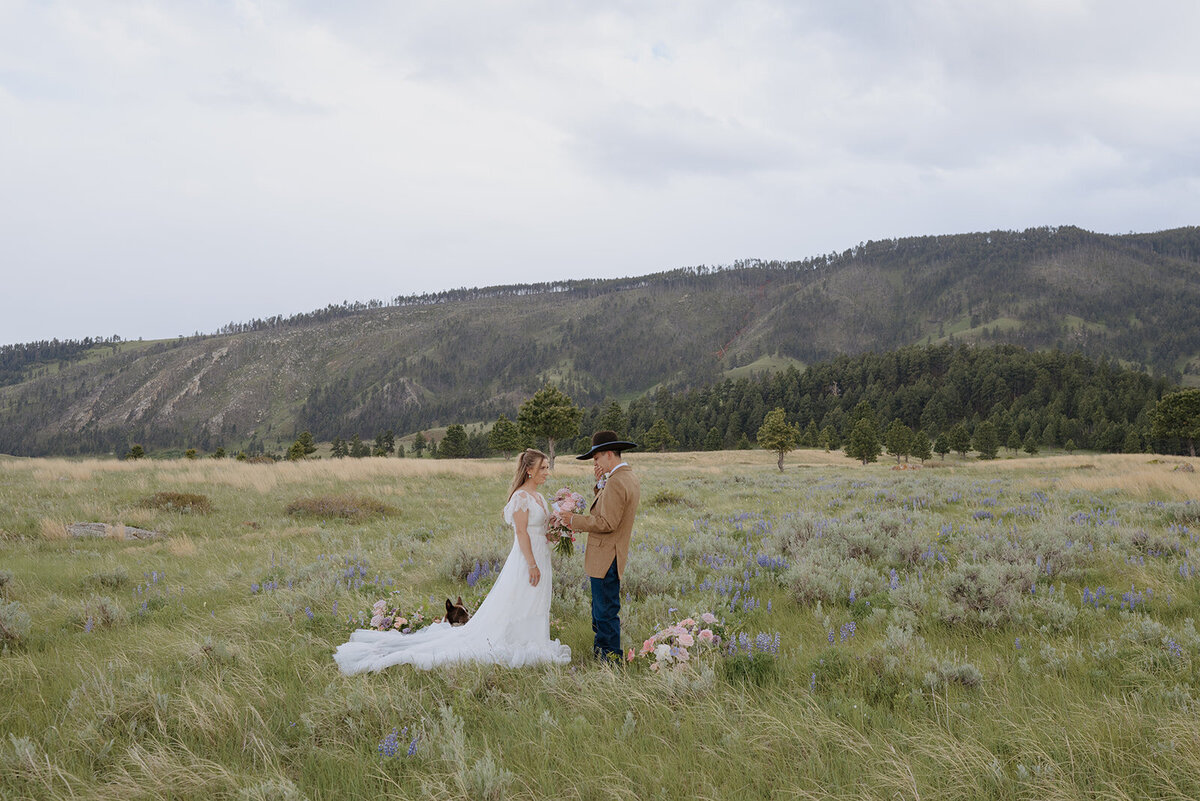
(261, 155)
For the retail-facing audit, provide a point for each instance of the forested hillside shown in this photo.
(415, 362)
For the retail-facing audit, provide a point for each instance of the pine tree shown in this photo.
(921, 447)
(864, 441)
(1030, 445)
(899, 440)
(941, 444)
(959, 439)
(777, 435)
(986, 440)
(551, 415)
(505, 437)
(454, 444)
(340, 451)
(659, 437)
(712, 440)
(811, 434)
(419, 444)
(1176, 417)
(611, 419)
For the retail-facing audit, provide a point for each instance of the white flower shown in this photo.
(663, 653)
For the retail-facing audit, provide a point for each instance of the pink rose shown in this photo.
(709, 618)
(376, 621)
(687, 622)
(686, 640)
(648, 646)
(706, 635)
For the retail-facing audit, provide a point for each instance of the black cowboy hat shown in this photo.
(606, 441)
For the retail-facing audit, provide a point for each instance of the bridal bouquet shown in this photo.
(384, 618)
(565, 500)
(675, 646)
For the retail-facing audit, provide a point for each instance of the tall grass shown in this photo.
(972, 654)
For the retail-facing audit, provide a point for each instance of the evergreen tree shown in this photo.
(941, 445)
(829, 439)
(986, 440)
(659, 438)
(399, 450)
(551, 415)
(419, 444)
(811, 434)
(358, 448)
(1030, 445)
(340, 450)
(454, 444)
(504, 437)
(219, 453)
(1176, 417)
(712, 440)
(899, 440)
(306, 443)
(921, 447)
(743, 443)
(433, 448)
(1014, 441)
(302, 447)
(959, 439)
(190, 453)
(135, 452)
(777, 435)
(1132, 443)
(863, 442)
(611, 419)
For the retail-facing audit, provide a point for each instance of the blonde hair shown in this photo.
(530, 458)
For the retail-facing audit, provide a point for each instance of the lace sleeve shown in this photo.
(520, 500)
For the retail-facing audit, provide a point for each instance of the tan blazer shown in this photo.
(610, 524)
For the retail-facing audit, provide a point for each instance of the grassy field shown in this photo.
(1015, 629)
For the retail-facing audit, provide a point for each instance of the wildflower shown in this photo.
(812, 683)
(309, 612)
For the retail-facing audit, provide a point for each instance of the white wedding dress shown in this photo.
(511, 626)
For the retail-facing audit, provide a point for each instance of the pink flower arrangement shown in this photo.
(675, 646)
(565, 500)
(385, 618)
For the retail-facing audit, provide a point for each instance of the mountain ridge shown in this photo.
(471, 354)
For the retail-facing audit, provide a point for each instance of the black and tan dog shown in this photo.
(456, 613)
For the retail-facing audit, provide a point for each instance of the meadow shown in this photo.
(1022, 628)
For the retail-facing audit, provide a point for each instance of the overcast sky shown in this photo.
(167, 167)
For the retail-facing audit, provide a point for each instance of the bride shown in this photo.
(511, 626)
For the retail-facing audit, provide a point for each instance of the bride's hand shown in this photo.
(535, 575)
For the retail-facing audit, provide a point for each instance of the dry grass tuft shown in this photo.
(53, 529)
(182, 546)
(343, 507)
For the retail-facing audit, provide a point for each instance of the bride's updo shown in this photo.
(526, 462)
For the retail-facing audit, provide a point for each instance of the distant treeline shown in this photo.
(17, 360)
(1060, 397)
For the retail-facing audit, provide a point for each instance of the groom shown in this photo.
(609, 528)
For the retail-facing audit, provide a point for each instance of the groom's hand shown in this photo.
(566, 517)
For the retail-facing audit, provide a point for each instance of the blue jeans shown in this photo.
(606, 608)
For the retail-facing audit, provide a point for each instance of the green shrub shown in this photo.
(185, 502)
(110, 579)
(100, 611)
(342, 507)
(14, 622)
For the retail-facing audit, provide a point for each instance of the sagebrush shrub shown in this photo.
(343, 507)
(100, 611)
(185, 502)
(14, 622)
